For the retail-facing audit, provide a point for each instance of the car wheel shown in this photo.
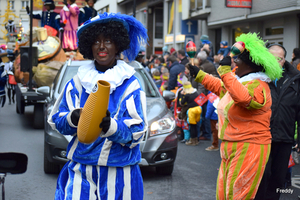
(165, 170)
(49, 167)
(38, 116)
(22, 107)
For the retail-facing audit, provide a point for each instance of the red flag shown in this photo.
(291, 162)
(201, 99)
(212, 97)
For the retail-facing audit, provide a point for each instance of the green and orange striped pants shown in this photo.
(241, 170)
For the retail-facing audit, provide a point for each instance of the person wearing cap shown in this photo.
(165, 50)
(68, 19)
(87, 12)
(189, 94)
(224, 48)
(244, 112)
(48, 16)
(205, 43)
(141, 58)
(107, 168)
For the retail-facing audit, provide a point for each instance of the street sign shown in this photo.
(189, 27)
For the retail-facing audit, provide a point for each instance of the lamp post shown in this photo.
(134, 6)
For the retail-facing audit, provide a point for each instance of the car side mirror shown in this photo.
(45, 90)
(13, 163)
(168, 95)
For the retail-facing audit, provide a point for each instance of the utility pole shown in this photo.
(134, 6)
(30, 47)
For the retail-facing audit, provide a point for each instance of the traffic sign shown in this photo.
(189, 27)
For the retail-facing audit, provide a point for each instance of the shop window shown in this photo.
(159, 23)
(239, 31)
(276, 30)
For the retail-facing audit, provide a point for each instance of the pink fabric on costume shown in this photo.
(70, 15)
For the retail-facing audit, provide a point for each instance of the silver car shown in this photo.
(159, 147)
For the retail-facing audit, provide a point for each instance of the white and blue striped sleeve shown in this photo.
(60, 117)
(130, 122)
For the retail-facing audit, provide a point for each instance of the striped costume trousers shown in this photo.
(86, 182)
(241, 170)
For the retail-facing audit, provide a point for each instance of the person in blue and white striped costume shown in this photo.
(107, 168)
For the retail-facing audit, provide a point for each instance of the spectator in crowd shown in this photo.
(69, 23)
(160, 62)
(87, 12)
(285, 112)
(209, 68)
(11, 83)
(165, 80)
(189, 94)
(175, 69)
(224, 48)
(217, 60)
(206, 50)
(244, 113)
(156, 78)
(199, 87)
(151, 59)
(165, 51)
(172, 51)
(3, 78)
(296, 58)
(212, 115)
(48, 16)
(182, 57)
(141, 58)
(204, 40)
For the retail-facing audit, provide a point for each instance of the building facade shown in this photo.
(175, 22)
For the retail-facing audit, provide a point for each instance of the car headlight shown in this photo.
(163, 125)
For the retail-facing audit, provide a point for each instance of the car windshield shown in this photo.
(140, 74)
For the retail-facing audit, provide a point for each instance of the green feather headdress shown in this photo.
(260, 55)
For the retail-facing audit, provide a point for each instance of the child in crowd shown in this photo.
(165, 79)
(189, 94)
(211, 113)
(224, 48)
(156, 77)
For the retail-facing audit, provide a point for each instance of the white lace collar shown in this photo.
(89, 76)
(257, 75)
(65, 8)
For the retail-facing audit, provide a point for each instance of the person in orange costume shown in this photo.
(244, 116)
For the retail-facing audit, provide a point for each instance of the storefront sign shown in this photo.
(169, 39)
(239, 3)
